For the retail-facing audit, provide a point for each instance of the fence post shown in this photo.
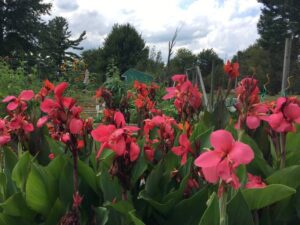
(286, 64)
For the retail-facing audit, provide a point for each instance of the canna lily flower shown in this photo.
(284, 115)
(254, 182)
(4, 132)
(187, 97)
(232, 69)
(183, 149)
(227, 155)
(256, 113)
(117, 139)
(14, 102)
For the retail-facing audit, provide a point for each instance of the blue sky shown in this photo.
(224, 25)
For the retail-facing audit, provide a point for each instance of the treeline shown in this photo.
(47, 46)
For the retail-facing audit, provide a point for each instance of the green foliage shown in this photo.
(20, 26)
(14, 81)
(125, 46)
(280, 19)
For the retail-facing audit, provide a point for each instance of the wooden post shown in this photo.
(212, 85)
(202, 86)
(286, 64)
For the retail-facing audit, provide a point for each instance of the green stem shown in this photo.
(223, 206)
(282, 150)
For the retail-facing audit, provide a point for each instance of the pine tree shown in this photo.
(279, 19)
(20, 26)
(56, 44)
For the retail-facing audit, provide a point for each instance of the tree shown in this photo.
(56, 45)
(183, 60)
(207, 59)
(20, 26)
(125, 46)
(254, 61)
(154, 64)
(279, 19)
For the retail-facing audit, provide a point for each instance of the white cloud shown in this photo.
(225, 25)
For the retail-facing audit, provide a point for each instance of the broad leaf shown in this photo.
(262, 197)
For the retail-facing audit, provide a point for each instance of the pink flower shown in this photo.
(254, 182)
(117, 139)
(232, 69)
(183, 149)
(227, 155)
(187, 97)
(255, 114)
(51, 156)
(20, 122)
(15, 102)
(4, 132)
(284, 115)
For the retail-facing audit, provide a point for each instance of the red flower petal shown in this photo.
(12, 105)
(208, 159)
(76, 126)
(179, 78)
(42, 121)
(210, 174)
(171, 93)
(4, 139)
(292, 111)
(26, 95)
(47, 105)
(221, 140)
(241, 154)
(102, 132)
(59, 89)
(134, 151)
(9, 98)
(252, 122)
(119, 119)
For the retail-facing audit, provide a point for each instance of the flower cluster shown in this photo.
(64, 116)
(251, 111)
(117, 138)
(163, 128)
(285, 112)
(187, 97)
(144, 98)
(232, 69)
(19, 123)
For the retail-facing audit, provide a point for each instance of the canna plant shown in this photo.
(59, 168)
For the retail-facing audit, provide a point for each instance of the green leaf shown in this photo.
(101, 215)
(259, 162)
(288, 176)
(110, 187)
(10, 220)
(138, 169)
(293, 141)
(88, 175)
(10, 160)
(211, 215)
(21, 170)
(37, 196)
(56, 212)
(66, 188)
(262, 197)
(189, 211)
(55, 166)
(238, 211)
(16, 206)
(2, 186)
(135, 220)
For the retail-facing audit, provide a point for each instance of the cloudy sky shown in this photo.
(224, 25)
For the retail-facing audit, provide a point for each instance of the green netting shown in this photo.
(131, 75)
